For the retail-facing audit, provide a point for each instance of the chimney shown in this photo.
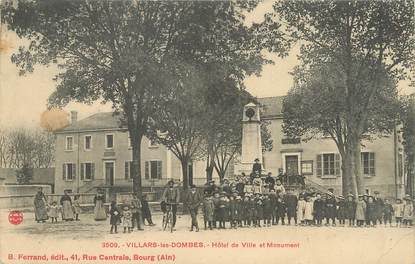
(74, 117)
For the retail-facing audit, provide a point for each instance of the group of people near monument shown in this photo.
(246, 201)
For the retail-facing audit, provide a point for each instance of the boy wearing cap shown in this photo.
(371, 212)
(330, 209)
(291, 201)
(319, 207)
(267, 211)
(233, 211)
(379, 204)
(259, 210)
(208, 210)
(387, 213)
(350, 209)
(341, 210)
(281, 210)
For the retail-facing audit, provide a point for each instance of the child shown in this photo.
(208, 210)
(308, 211)
(115, 217)
(245, 210)
(233, 211)
(341, 211)
(371, 212)
(319, 207)
(76, 207)
(350, 209)
(398, 212)
(259, 210)
(360, 211)
(387, 213)
(222, 210)
(239, 208)
(251, 211)
(281, 209)
(330, 209)
(300, 209)
(290, 200)
(273, 201)
(54, 212)
(127, 219)
(408, 211)
(216, 199)
(267, 211)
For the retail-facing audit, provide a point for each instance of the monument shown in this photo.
(251, 138)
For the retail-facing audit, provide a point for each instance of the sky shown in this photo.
(23, 98)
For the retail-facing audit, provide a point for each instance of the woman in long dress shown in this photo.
(67, 210)
(41, 213)
(99, 210)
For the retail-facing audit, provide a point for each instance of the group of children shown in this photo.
(55, 210)
(306, 209)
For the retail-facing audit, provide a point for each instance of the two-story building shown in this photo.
(382, 159)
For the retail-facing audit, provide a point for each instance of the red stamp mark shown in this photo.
(15, 217)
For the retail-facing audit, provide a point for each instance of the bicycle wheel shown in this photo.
(171, 221)
(165, 221)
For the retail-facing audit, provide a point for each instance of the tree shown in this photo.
(121, 52)
(408, 129)
(356, 51)
(25, 174)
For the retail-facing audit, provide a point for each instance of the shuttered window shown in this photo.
(153, 169)
(87, 171)
(328, 164)
(367, 161)
(68, 171)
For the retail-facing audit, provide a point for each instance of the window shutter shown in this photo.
(147, 170)
(337, 170)
(319, 168)
(82, 171)
(126, 170)
(73, 170)
(372, 163)
(159, 169)
(64, 171)
(92, 171)
(131, 170)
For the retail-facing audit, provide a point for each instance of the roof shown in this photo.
(271, 106)
(98, 121)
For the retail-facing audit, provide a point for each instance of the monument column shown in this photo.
(251, 138)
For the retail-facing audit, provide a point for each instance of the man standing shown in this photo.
(269, 180)
(257, 167)
(192, 202)
(136, 212)
(379, 204)
(171, 195)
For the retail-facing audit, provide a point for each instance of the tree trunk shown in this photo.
(209, 167)
(360, 186)
(185, 163)
(136, 144)
(347, 174)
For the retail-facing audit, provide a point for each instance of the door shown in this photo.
(109, 173)
(291, 165)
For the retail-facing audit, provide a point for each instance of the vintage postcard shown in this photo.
(244, 131)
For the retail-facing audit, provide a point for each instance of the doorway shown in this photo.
(109, 172)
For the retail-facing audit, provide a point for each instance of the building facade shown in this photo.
(320, 162)
(96, 152)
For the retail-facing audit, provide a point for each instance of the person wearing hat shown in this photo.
(319, 209)
(351, 209)
(291, 201)
(192, 201)
(398, 212)
(341, 210)
(360, 215)
(171, 195)
(115, 217)
(233, 211)
(331, 206)
(371, 211)
(208, 211)
(210, 188)
(379, 204)
(270, 181)
(223, 207)
(256, 167)
(387, 213)
(408, 211)
(216, 199)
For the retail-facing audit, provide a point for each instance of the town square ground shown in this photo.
(88, 241)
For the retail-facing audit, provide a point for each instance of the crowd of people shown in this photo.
(245, 201)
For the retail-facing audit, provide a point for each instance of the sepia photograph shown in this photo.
(207, 131)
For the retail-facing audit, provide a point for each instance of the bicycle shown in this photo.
(168, 217)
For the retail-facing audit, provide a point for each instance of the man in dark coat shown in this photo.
(240, 186)
(192, 202)
(171, 195)
(146, 212)
(291, 202)
(379, 205)
(270, 181)
(257, 167)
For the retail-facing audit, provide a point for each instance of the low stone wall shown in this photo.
(17, 196)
